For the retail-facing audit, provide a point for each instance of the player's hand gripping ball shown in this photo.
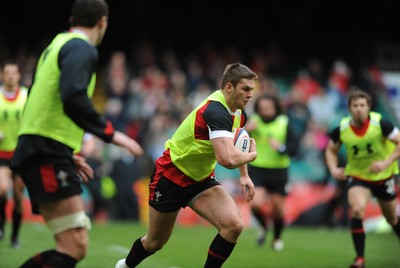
(241, 139)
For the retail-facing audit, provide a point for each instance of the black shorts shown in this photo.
(383, 190)
(49, 182)
(274, 180)
(167, 196)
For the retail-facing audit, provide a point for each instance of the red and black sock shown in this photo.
(51, 259)
(37, 260)
(219, 251)
(60, 260)
(260, 217)
(17, 219)
(137, 253)
(396, 228)
(3, 201)
(278, 228)
(358, 235)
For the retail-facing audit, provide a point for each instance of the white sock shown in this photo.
(121, 264)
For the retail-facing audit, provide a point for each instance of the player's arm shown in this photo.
(292, 142)
(228, 155)
(219, 123)
(392, 133)
(331, 155)
(77, 61)
(289, 147)
(246, 184)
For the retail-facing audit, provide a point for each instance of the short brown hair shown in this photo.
(356, 93)
(235, 72)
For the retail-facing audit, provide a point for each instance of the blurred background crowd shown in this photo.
(159, 61)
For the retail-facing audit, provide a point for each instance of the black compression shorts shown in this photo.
(49, 182)
(167, 196)
(384, 190)
(274, 180)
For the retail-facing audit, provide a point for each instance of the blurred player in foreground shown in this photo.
(57, 113)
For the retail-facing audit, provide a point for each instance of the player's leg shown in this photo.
(5, 184)
(161, 225)
(261, 197)
(386, 195)
(278, 190)
(389, 212)
(358, 197)
(218, 207)
(68, 222)
(257, 209)
(278, 203)
(18, 192)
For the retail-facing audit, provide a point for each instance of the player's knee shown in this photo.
(237, 228)
(256, 206)
(76, 224)
(67, 222)
(81, 246)
(358, 211)
(233, 229)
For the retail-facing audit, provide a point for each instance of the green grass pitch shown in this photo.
(187, 248)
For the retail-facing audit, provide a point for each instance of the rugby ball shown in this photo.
(241, 139)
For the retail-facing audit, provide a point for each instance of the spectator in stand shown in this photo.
(125, 171)
(298, 113)
(305, 85)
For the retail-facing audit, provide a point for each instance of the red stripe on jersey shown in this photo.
(165, 167)
(109, 130)
(242, 120)
(14, 97)
(6, 155)
(200, 126)
(360, 131)
(357, 231)
(48, 178)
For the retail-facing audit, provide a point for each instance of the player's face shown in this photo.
(243, 92)
(11, 76)
(359, 109)
(266, 108)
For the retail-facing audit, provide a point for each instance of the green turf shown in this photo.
(304, 247)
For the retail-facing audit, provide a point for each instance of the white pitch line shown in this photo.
(119, 249)
(125, 250)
